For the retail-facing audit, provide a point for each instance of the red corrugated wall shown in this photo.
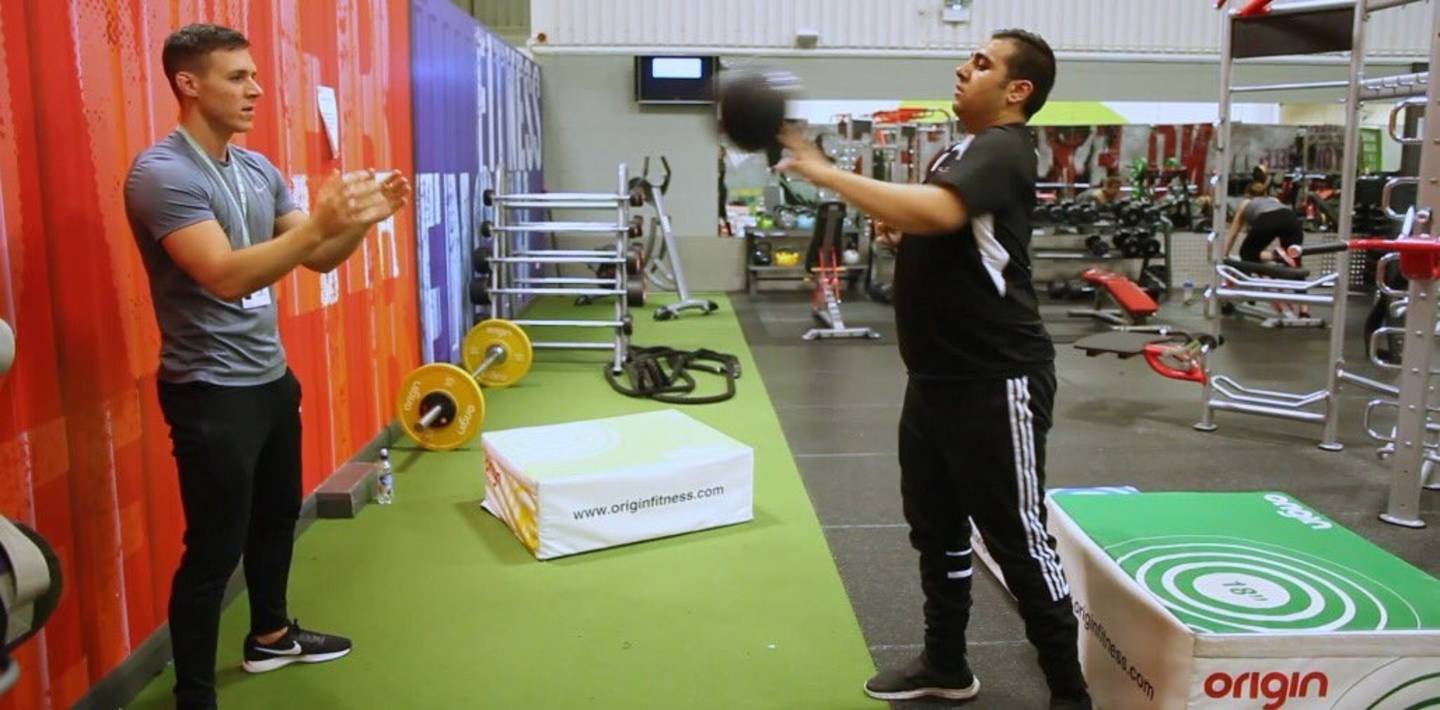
(84, 453)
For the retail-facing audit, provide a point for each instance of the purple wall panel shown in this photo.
(477, 110)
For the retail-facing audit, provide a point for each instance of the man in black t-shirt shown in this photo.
(982, 374)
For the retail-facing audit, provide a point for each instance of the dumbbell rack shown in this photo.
(1292, 30)
(509, 274)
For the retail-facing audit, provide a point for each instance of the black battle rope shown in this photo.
(663, 374)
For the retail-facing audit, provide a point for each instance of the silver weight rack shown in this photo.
(513, 254)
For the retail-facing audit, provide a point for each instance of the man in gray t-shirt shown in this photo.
(216, 229)
(206, 338)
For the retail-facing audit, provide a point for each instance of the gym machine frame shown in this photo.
(662, 253)
(828, 272)
(1389, 394)
(1408, 445)
(1290, 30)
(509, 281)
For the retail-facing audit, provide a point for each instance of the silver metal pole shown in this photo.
(1407, 473)
(622, 274)
(1329, 440)
(493, 355)
(1403, 507)
(1219, 225)
(1291, 86)
(672, 251)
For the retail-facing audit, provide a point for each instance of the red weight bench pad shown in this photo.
(1127, 294)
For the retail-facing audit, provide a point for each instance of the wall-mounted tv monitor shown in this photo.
(675, 80)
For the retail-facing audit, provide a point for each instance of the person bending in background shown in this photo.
(1268, 220)
(216, 228)
(1107, 194)
(982, 382)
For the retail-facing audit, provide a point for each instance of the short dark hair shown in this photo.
(1032, 61)
(187, 48)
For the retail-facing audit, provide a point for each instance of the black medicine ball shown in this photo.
(752, 106)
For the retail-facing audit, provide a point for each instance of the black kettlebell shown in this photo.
(762, 255)
(752, 108)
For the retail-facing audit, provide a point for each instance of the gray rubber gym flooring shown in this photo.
(1117, 423)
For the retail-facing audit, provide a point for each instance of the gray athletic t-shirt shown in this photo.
(1261, 205)
(203, 338)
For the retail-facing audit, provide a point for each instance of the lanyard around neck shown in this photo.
(243, 205)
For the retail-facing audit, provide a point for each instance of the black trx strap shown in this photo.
(663, 374)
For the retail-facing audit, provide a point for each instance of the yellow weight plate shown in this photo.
(437, 381)
(518, 353)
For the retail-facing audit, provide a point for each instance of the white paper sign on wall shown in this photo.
(329, 116)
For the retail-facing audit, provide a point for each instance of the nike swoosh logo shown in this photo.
(294, 650)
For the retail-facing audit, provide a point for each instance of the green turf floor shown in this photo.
(448, 610)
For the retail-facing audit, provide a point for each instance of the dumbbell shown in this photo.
(1121, 239)
(1096, 245)
(441, 406)
(1056, 212)
(1130, 214)
(480, 291)
(480, 281)
(1088, 214)
(1150, 247)
(1135, 246)
(1057, 289)
(1072, 213)
(635, 275)
(636, 192)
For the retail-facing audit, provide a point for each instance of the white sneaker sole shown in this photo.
(279, 662)
(945, 693)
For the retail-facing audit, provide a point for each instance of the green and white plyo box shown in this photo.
(1242, 600)
(570, 488)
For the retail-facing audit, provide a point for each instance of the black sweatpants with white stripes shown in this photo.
(974, 451)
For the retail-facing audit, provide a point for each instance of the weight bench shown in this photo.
(1134, 305)
(1171, 353)
(1280, 314)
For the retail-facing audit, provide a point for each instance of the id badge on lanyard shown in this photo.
(240, 202)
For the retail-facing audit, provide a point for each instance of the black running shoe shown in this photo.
(296, 646)
(919, 680)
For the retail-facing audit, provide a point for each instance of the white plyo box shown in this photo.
(569, 488)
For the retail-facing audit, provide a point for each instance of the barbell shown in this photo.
(441, 405)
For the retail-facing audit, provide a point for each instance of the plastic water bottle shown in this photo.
(1189, 290)
(385, 482)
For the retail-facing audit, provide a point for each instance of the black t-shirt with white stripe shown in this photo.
(965, 306)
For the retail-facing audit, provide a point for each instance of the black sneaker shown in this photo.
(296, 646)
(918, 680)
